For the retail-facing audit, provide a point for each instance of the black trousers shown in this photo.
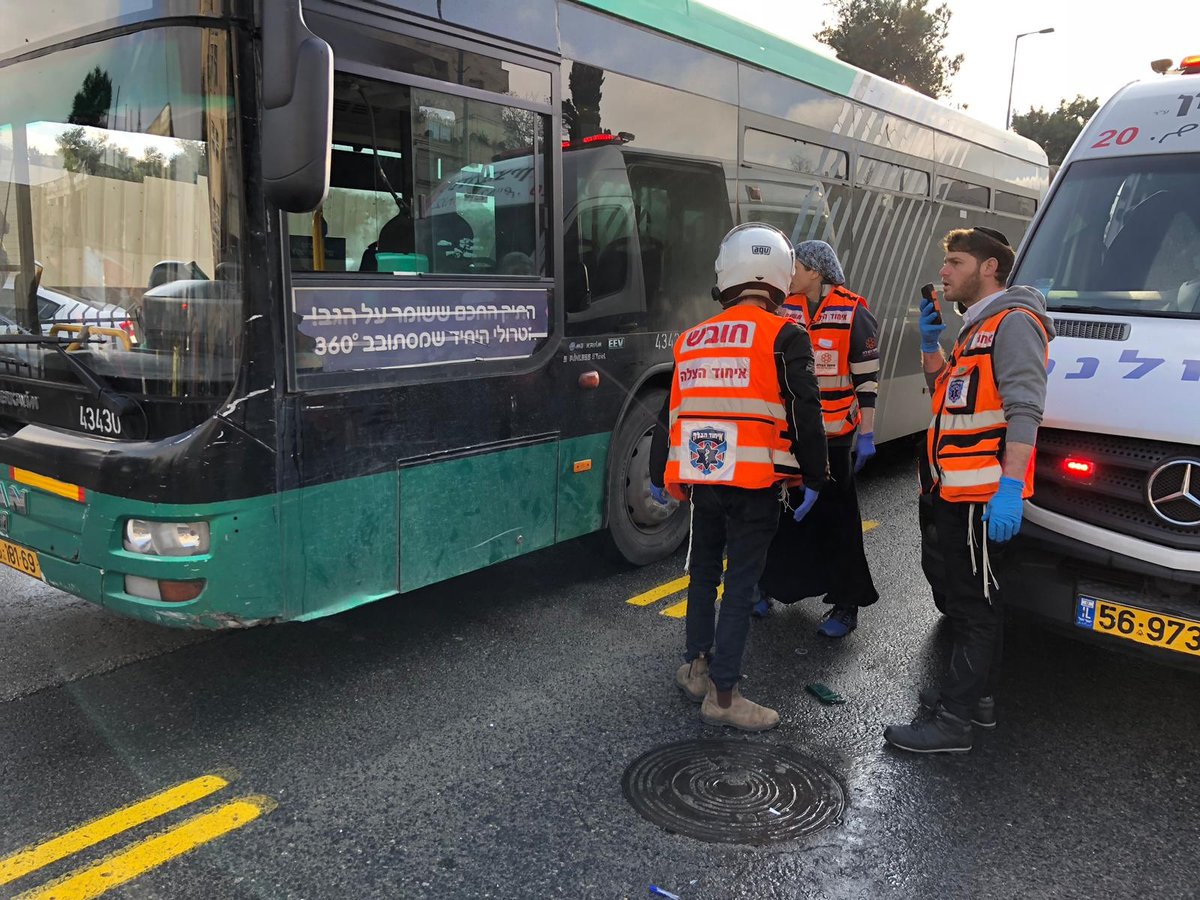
(739, 524)
(977, 621)
(824, 554)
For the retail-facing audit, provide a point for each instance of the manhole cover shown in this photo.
(733, 792)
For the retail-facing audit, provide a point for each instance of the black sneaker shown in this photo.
(944, 733)
(985, 710)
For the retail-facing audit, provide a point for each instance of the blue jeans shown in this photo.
(738, 523)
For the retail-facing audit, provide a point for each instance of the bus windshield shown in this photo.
(121, 213)
(1121, 235)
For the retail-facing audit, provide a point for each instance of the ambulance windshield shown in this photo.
(1121, 235)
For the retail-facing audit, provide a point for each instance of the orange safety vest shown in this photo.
(728, 422)
(830, 332)
(965, 440)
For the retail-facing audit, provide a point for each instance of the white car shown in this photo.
(56, 308)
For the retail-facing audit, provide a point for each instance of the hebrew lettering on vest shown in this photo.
(718, 335)
(715, 372)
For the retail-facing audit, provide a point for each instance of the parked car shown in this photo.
(57, 308)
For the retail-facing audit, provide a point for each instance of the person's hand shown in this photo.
(864, 449)
(1004, 511)
(659, 495)
(810, 497)
(931, 328)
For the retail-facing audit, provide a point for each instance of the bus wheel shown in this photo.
(639, 530)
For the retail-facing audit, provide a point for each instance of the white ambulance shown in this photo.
(1110, 546)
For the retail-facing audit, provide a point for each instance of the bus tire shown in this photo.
(639, 530)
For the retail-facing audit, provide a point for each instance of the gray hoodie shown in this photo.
(1019, 360)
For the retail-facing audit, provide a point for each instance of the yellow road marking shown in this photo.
(869, 525)
(663, 590)
(33, 858)
(676, 610)
(666, 590)
(679, 610)
(153, 851)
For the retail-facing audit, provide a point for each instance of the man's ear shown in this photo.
(989, 267)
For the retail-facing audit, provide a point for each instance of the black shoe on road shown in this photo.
(985, 710)
(944, 733)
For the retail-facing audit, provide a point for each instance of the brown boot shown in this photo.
(740, 713)
(692, 678)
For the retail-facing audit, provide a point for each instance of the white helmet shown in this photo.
(755, 258)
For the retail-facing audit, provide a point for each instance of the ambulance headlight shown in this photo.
(166, 538)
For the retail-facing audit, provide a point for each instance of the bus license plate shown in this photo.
(19, 558)
(1132, 624)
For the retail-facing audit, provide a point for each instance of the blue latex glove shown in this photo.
(659, 495)
(1003, 512)
(864, 449)
(810, 497)
(931, 330)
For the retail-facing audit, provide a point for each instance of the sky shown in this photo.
(1095, 48)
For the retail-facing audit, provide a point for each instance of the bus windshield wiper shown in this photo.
(113, 401)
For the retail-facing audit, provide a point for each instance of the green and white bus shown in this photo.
(379, 293)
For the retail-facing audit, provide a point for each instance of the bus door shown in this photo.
(423, 302)
(641, 235)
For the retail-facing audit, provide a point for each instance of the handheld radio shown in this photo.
(929, 292)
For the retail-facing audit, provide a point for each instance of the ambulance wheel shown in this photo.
(639, 530)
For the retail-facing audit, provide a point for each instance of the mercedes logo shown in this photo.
(1173, 492)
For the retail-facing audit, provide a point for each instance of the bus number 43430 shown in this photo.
(99, 421)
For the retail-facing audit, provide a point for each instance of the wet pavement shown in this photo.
(469, 740)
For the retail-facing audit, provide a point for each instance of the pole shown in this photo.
(1011, 80)
(1013, 76)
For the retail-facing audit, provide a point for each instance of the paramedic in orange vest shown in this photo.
(845, 339)
(988, 399)
(743, 420)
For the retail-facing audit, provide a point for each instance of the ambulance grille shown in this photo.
(1115, 497)
(1090, 330)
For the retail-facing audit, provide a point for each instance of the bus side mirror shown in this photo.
(297, 121)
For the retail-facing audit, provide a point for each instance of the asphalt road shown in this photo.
(469, 740)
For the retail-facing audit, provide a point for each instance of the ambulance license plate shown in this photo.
(1132, 624)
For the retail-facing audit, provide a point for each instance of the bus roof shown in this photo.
(1160, 115)
(699, 24)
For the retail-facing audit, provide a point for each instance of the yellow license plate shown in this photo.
(1154, 629)
(19, 558)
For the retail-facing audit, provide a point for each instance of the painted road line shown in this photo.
(869, 525)
(36, 857)
(666, 590)
(679, 610)
(147, 854)
(663, 590)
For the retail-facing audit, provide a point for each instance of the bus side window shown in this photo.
(600, 243)
(682, 214)
(424, 181)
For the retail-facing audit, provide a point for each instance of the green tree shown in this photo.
(92, 100)
(80, 154)
(900, 40)
(152, 165)
(581, 111)
(1056, 131)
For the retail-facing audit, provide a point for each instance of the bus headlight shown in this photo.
(166, 538)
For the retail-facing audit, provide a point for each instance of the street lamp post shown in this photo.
(1013, 77)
